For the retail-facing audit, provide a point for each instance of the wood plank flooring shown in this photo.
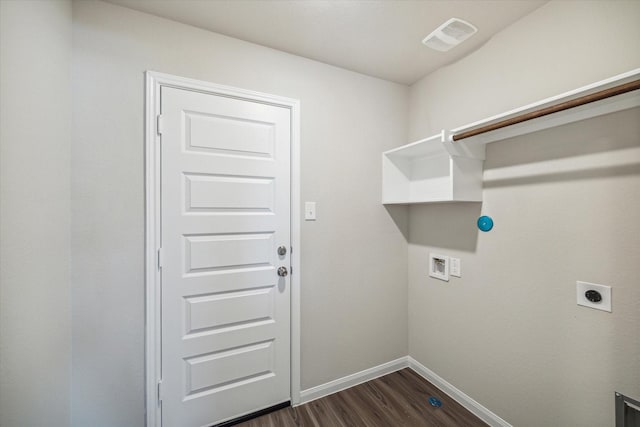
(394, 400)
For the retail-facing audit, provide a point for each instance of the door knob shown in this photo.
(282, 271)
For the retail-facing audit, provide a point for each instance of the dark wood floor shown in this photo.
(397, 399)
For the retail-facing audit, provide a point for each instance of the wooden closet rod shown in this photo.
(586, 99)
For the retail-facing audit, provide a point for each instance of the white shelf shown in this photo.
(420, 148)
(425, 172)
(599, 108)
(437, 170)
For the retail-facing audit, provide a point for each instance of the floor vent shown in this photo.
(627, 411)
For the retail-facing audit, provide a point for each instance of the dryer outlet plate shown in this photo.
(605, 292)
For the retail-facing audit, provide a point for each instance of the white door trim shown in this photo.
(154, 81)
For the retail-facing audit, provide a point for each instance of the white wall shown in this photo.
(354, 257)
(35, 132)
(566, 208)
(564, 198)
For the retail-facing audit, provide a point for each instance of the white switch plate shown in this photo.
(454, 268)
(439, 266)
(605, 291)
(310, 211)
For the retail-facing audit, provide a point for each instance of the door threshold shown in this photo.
(253, 415)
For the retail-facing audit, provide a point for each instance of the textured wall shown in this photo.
(566, 208)
(35, 134)
(354, 257)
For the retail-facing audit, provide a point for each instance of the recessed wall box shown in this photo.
(439, 266)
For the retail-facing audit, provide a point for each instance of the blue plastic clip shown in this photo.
(435, 402)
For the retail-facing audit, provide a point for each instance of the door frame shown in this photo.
(153, 82)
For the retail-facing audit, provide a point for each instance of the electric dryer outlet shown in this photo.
(593, 295)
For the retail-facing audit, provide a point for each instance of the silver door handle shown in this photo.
(282, 271)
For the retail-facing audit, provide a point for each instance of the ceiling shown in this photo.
(381, 38)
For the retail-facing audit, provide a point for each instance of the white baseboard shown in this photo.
(343, 383)
(471, 405)
(340, 384)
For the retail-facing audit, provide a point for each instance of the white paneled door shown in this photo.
(225, 232)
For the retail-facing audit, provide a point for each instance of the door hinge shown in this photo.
(159, 391)
(159, 124)
(159, 258)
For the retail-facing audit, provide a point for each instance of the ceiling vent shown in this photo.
(450, 34)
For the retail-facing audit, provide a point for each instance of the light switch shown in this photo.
(309, 211)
